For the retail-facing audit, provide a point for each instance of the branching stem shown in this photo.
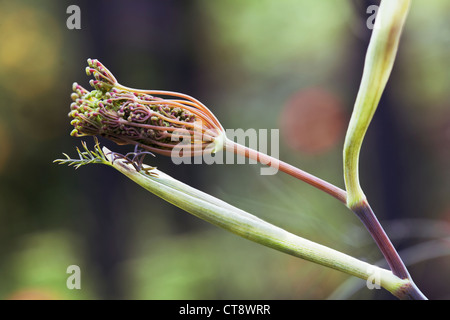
(362, 210)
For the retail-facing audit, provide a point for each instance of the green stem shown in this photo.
(246, 225)
(378, 65)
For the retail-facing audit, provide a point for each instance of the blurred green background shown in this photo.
(293, 65)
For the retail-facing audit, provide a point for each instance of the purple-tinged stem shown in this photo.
(312, 180)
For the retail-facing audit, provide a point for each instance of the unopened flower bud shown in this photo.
(131, 116)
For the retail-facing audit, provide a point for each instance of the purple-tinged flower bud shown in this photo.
(131, 116)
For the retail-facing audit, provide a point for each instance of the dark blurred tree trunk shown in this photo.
(154, 42)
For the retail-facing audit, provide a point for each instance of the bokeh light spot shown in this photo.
(313, 121)
(33, 294)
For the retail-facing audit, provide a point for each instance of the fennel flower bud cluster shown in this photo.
(154, 120)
